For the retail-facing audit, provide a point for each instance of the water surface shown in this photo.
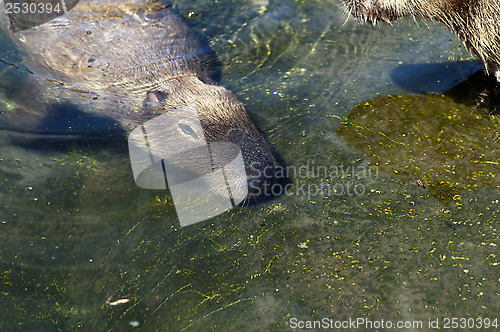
(351, 239)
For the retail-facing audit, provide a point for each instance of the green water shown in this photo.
(75, 229)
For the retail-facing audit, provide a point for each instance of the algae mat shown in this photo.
(444, 146)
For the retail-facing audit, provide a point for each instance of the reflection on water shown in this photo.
(76, 230)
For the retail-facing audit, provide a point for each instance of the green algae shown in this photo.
(388, 254)
(448, 146)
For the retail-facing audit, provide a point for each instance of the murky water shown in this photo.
(354, 237)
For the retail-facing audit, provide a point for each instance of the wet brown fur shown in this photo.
(134, 62)
(476, 22)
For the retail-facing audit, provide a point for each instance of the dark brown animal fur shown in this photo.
(476, 22)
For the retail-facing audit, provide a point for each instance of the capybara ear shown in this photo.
(154, 98)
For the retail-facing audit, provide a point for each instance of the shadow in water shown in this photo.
(464, 81)
(62, 127)
(433, 77)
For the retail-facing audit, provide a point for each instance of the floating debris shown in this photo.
(419, 183)
(117, 302)
(303, 245)
(134, 323)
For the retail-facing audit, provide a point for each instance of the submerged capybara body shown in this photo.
(133, 61)
(476, 22)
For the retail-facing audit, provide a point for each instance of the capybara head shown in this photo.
(223, 119)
